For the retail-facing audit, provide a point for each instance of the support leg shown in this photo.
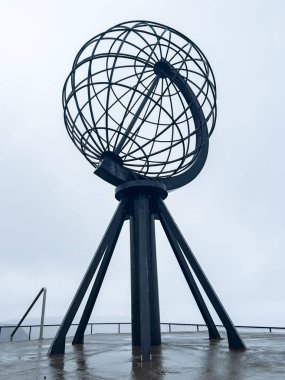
(79, 335)
(212, 329)
(140, 247)
(58, 344)
(234, 339)
(153, 289)
(135, 285)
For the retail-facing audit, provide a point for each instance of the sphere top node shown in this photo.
(140, 103)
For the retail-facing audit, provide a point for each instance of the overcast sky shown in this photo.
(54, 210)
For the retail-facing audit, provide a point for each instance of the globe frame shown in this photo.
(135, 146)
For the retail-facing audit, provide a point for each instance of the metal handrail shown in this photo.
(44, 291)
(197, 325)
(119, 324)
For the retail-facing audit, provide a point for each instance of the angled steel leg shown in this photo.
(58, 344)
(212, 329)
(234, 339)
(79, 334)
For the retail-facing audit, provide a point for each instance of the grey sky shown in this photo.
(54, 210)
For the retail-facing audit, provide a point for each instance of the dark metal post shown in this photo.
(140, 247)
(234, 339)
(79, 335)
(135, 284)
(58, 344)
(212, 329)
(153, 289)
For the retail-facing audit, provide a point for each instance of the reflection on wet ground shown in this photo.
(181, 356)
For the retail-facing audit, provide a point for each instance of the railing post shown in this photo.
(169, 327)
(270, 329)
(197, 327)
(43, 313)
(30, 330)
(119, 328)
(91, 328)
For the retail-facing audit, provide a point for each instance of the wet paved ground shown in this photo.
(181, 356)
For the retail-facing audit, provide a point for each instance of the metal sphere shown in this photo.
(144, 95)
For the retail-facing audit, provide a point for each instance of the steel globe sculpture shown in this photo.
(143, 95)
(140, 105)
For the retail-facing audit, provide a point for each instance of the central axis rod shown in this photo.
(136, 115)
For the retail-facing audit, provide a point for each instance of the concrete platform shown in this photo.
(181, 356)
